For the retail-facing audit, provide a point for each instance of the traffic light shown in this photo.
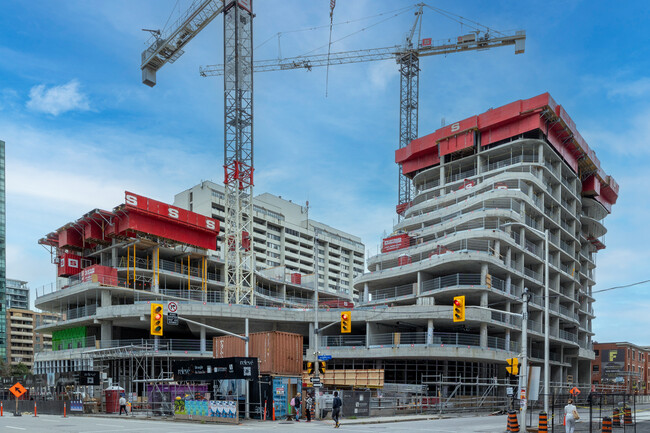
(459, 308)
(321, 367)
(513, 366)
(310, 368)
(346, 322)
(156, 319)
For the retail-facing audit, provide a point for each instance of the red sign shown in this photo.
(170, 212)
(426, 42)
(395, 243)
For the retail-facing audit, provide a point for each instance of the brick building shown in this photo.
(620, 366)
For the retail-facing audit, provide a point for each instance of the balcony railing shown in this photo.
(415, 339)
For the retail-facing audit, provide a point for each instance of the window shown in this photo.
(274, 237)
(292, 232)
(272, 245)
(274, 228)
(596, 368)
(597, 352)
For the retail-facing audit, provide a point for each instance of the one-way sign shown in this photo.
(172, 318)
(314, 379)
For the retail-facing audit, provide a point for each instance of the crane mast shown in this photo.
(238, 151)
(238, 124)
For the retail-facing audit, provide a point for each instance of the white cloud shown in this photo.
(58, 99)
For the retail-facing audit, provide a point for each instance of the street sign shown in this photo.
(314, 379)
(17, 390)
(318, 385)
(172, 307)
(324, 357)
(510, 391)
(172, 318)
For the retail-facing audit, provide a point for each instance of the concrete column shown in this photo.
(202, 333)
(484, 272)
(418, 285)
(429, 332)
(540, 152)
(484, 299)
(368, 333)
(479, 163)
(106, 332)
(497, 249)
(283, 290)
(507, 339)
(483, 334)
(508, 282)
(114, 254)
(508, 256)
(365, 292)
(105, 298)
(442, 170)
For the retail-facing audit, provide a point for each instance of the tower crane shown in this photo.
(167, 47)
(407, 57)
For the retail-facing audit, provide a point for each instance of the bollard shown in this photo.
(273, 411)
(607, 424)
(264, 410)
(1, 409)
(627, 416)
(513, 424)
(35, 409)
(543, 422)
(64, 410)
(616, 418)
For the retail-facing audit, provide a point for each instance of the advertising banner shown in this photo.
(206, 370)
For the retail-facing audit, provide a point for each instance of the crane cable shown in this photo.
(621, 287)
(329, 46)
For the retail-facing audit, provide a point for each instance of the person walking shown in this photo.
(123, 405)
(308, 405)
(570, 416)
(336, 409)
(298, 402)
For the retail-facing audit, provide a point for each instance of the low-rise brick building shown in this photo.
(620, 367)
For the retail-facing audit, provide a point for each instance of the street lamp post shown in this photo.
(547, 386)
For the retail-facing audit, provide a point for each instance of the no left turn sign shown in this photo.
(172, 307)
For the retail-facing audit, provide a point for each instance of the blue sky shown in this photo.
(81, 128)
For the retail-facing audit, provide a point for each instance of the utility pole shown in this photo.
(523, 384)
(316, 342)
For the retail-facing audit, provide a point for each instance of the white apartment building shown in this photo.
(283, 237)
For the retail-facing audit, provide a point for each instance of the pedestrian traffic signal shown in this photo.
(156, 319)
(346, 322)
(513, 366)
(310, 368)
(321, 367)
(459, 308)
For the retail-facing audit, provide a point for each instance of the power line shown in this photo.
(621, 287)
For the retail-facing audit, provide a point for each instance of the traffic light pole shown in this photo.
(316, 330)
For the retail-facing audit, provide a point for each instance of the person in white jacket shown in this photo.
(569, 419)
(123, 405)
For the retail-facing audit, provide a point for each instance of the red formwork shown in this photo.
(296, 278)
(510, 120)
(69, 264)
(99, 274)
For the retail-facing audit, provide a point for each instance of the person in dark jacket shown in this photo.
(309, 402)
(298, 399)
(336, 409)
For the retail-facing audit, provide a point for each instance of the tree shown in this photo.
(20, 369)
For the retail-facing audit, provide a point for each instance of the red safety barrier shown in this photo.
(607, 425)
(513, 423)
(35, 409)
(64, 410)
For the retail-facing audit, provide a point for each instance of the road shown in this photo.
(51, 424)
(88, 424)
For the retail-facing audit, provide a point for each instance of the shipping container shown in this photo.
(278, 352)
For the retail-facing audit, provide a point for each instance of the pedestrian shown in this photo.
(570, 416)
(123, 405)
(308, 405)
(298, 399)
(336, 409)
